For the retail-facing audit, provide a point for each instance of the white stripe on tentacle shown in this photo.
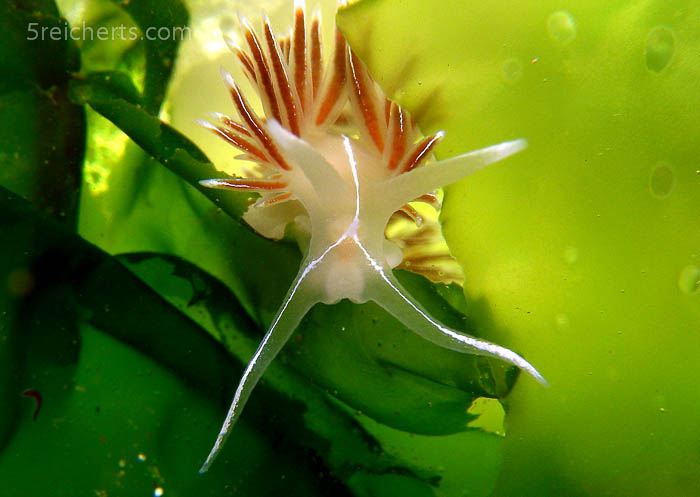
(300, 298)
(386, 291)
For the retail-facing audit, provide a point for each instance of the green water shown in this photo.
(130, 301)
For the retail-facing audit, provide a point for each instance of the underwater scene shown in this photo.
(430, 249)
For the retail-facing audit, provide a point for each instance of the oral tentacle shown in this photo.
(386, 291)
(427, 178)
(299, 300)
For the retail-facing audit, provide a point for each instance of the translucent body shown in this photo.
(348, 189)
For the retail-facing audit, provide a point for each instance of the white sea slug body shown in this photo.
(335, 155)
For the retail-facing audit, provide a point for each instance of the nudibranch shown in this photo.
(336, 156)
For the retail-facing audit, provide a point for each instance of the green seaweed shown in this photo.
(133, 297)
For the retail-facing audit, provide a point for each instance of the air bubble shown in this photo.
(659, 48)
(689, 280)
(662, 180)
(562, 320)
(561, 27)
(512, 70)
(570, 255)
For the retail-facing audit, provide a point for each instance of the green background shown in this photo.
(586, 247)
(131, 298)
